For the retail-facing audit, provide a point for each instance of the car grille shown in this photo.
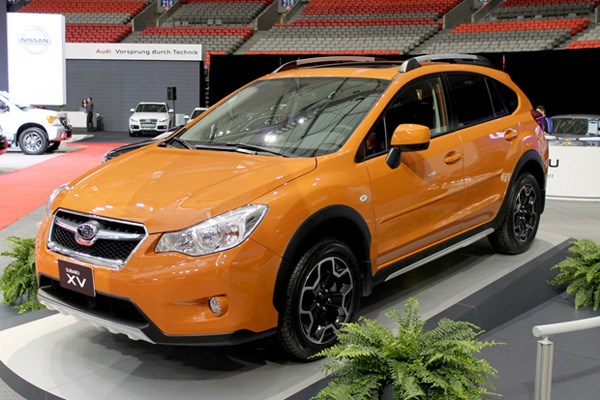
(148, 121)
(111, 246)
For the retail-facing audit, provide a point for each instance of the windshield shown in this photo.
(21, 104)
(574, 126)
(300, 117)
(154, 108)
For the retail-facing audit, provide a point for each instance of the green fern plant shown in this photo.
(438, 364)
(580, 272)
(18, 282)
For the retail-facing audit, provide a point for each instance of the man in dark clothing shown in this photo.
(89, 109)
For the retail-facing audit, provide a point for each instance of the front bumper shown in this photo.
(59, 133)
(148, 128)
(164, 297)
(145, 331)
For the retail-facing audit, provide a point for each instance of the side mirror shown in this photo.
(186, 117)
(171, 111)
(407, 137)
(131, 110)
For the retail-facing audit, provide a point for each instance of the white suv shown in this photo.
(150, 118)
(33, 130)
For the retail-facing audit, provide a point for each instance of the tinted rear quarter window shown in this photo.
(478, 98)
(508, 96)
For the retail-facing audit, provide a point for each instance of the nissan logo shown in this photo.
(86, 233)
(35, 40)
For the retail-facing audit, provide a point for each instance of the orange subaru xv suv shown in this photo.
(292, 198)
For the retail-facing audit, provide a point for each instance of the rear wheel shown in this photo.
(323, 294)
(33, 141)
(522, 217)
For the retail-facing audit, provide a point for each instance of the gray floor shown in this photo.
(61, 357)
(576, 359)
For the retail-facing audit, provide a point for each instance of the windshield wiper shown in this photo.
(244, 148)
(180, 141)
(260, 149)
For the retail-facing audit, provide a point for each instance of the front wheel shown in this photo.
(33, 141)
(522, 217)
(323, 293)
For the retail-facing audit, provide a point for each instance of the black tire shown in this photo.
(33, 141)
(53, 146)
(323, 293)
(132, 134)
(521, 217)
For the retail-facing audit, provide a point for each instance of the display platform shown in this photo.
(58, 357)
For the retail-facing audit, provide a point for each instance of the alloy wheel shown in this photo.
(326, 299)
(525, 215)
(32, 142)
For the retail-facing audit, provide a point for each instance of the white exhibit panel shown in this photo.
(134, 51)
(77, 119)
(36, 58)
(573, 173)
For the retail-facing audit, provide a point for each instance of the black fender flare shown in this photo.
(531, 161)
(302, 239)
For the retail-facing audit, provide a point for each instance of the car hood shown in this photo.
(149, 115)
(171, 189)
(41, 113)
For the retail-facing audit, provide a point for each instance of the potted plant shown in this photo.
(412, 364)
(18, 282)
(580, 272)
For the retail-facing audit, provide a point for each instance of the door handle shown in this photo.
(452, 158)
(510, 134)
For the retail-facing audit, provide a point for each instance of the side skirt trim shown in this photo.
(441, 253)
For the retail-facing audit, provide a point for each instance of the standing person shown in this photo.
(83, 105)
(89, 108)
(547, 120)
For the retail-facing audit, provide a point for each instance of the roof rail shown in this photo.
(326, 60)
(415, 62)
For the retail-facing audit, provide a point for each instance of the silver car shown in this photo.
(575, 130)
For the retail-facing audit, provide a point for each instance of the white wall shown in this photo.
(36, 58)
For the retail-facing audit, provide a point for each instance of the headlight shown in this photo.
(53, 120)
(163, 120)
(133, 120)
(216, 234)
(51, 199)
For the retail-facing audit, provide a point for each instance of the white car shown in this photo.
(33, 130)
(195, 112)
(150, 118)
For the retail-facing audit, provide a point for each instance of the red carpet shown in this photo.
(24, 190)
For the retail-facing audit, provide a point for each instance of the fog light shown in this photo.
(218, 304)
